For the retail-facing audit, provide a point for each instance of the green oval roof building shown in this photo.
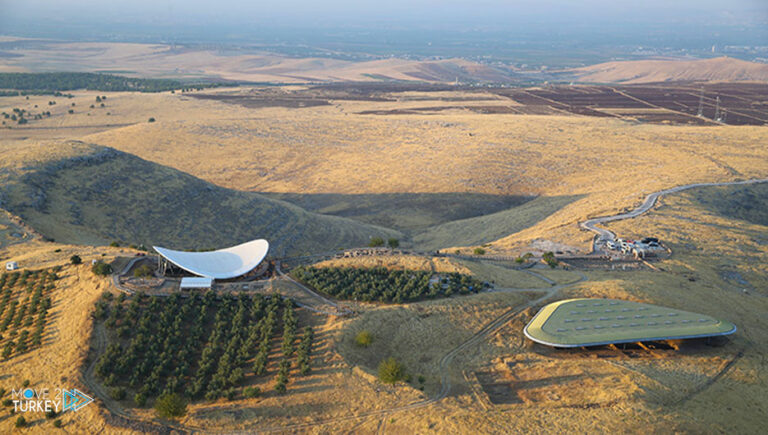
(596, 322)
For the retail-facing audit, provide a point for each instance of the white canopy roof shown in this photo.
(188, 282)
(222, 264)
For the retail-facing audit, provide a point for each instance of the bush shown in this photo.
(364, 338)
(115, 244)
(549, 258)
(21, 422)
(50, 414)
(75, 259)
(251, 392)
(143, 271)
(101, 268)
(391, 371)
(7, 402)
(170, 406)
(117, 393)
(376, 242)
(56, 423)
(151, 120)
(140, 399)
(393, 243)
(479, 251)
(25, 384)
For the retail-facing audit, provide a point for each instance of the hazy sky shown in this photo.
(637, 21)
(345, 12)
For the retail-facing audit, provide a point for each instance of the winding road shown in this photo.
(604, 235)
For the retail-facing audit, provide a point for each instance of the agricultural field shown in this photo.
(385, 285)
(202, 347)
(24, 303)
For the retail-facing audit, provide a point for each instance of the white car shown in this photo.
(611, 245)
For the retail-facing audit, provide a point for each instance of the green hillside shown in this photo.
(89, 194)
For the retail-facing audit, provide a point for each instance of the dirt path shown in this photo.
(604, 235)
(444, 363)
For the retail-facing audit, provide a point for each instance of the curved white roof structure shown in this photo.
(222, 264)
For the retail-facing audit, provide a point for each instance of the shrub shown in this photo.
(422, 379)
(21, 422)
(56, 423)
(393, 243)
(50, 414)
(376, 242)
(549, 258)
(101, 268)
(391, 371)
(25, 384)
(117, 393)
(140, 399)
(364, 338)
(479, 251)
(7, 402)
(115, 244)
(251, 392)
(151, 120)
(143, 271)
(75, 259)
(170, 406)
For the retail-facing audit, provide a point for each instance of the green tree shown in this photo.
(101, 268)
(251, 392)
(170, 406)
(143, 271)
(115, 244)
(151, 120)
(549, 258)
(479, 251)
(57, 423)
(21, 422)
(391, 371)
(364, 338)
(376, 242)
(393, 243)
(75, 259)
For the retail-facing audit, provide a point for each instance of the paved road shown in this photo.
(605, 235)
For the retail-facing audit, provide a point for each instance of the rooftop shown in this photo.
(594, 322)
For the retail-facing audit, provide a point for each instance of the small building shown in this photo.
(11, 265)
(188, 283)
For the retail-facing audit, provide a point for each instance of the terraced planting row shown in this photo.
(24, 303)
(203, 347)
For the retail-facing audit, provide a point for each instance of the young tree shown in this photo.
(170, 406)
(364, 338)
(376, 242)
(75, 259)
(101, 268)
(391, 371)
(393, 243)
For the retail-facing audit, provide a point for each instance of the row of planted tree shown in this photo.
(24, 303)
(202, 347)
(384, 285)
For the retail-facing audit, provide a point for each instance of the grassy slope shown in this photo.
(484, 229)
(99, 194)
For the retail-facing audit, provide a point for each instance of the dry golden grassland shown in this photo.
(601, 165)
(398, 262)
(59, 361)
(605, 165)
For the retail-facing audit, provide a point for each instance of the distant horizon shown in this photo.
(583, 33)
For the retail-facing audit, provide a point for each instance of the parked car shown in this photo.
(611, 245)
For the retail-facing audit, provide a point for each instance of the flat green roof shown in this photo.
(594, 322)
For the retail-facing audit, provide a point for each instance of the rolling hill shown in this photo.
(81, 193)
(651, 71)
